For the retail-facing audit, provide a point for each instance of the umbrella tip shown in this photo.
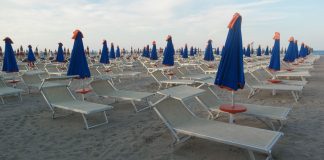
(7, 39)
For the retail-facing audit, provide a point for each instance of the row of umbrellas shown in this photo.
(230, 73)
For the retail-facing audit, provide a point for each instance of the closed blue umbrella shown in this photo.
(112, 51)
(154, 55)
(104, 58)
(9, 60)
(296, 50)
(209, 52)
(275, 56)
(289, 56)
(60, 53)
(302, 50)
(248, 51)
(117, 52)
(191, 53)
(230, 73)
(223, 51)
(181, 51)
(217, 51)
(185, 52)
(244, 50)
(195, 51)
(259, 51)
(267, 51)
(168, 58)
(78, 62)
(31, 57)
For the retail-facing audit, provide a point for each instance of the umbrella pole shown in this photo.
(233, 99)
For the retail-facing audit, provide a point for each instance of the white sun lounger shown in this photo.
(7, 91)
(256, 86)
(32, 79)
(104, 88)
(162, 79)
(266, 114)
(182, 72)
(181, 121)
(62, 97)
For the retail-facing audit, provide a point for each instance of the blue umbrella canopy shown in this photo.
(223, 51)
(209, 56)
(168, 58)
(30, 56)
(267, 51)
(217, 51)
(78, 62)
(275, 56)
(191, 53)
(230, 73)
(154, 55)
(146, 52)
(112, 51)
(244, 50)
(60, 53)
(185, 52)
(104, 58)
(248, 51)
(296, 55)
(195, 51)
(117, 52)
(303, 51)
(9, 60)
(259, 51)
(181, 51)
(289, 56)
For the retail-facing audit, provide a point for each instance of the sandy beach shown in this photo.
(27, 131)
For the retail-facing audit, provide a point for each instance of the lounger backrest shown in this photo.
(40, 66)
(31, 79)
(173, 111)
(258, 74)
(177, 72)
(57, 94)
(51, 68)
(22, 67)
(116, 70)
(102, 87)
(2, 83)
(208, 98)
(250, 80)
(159, 76)
(94, 71)
(183, 70)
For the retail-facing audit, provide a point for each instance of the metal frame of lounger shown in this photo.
(192, 126)
(296, 91)
(186, 75)
(69, 97)
(104, 88)
(267, 119)
(6, 91)
(162, 79)
(32, 79)
(206, 70)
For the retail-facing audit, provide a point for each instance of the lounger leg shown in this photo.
(142, 109)
(95, 125)
(251, 154)
(20, 98)
(2, 100)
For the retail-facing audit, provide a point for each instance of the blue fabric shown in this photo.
(78, 62)
(112, 52)
(181, 51)
(217, 51)
(104, 58)
(296, 51)
(302, 51)
(154, 55)
(192, 53)
(275, 56)
(9, 60)
(244, 51)
(60, 53)
(185, 52)
(248, 51)
(230, 70)
(289, 56)
(146, 52)
(195, 51)
(267, 51)
(259, 51)
(31, 56)
(209, 56)
(223, 51)
(168, 58)
(117, 52)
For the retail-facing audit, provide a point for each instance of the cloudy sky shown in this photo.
(44, 23)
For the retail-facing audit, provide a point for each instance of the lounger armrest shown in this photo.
(60, 78)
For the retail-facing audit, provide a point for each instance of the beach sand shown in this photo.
(27, 131)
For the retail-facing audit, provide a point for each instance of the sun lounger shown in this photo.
(62, 97)
(104, 88)
(256, 86)
(182, 72)
(181, 121)
(267, 114)
(7, 91)
(32, 79)
(162, 79)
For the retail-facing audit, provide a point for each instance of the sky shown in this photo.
(136, 23)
